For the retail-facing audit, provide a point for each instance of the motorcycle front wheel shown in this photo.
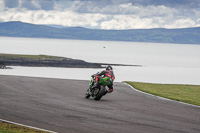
(87, 94)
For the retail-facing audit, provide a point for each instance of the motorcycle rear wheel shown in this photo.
(100, 93)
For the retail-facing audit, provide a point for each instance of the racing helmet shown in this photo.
(109, 68)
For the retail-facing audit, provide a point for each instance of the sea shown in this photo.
(164, 63)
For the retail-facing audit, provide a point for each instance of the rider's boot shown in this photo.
(110, 90)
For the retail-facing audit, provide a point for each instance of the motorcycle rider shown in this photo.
(106, 73)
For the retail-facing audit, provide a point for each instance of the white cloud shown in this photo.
(2, 5)
(126, 22)
(135, 22)
(149, 17)
(181, 23)
(66, 18)
(121, 16)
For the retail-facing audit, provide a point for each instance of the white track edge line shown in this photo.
(160, 97)
(10, 122)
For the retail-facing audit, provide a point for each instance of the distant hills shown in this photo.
(158, 35)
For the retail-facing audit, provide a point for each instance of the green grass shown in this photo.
(11, 128)
(184, 93)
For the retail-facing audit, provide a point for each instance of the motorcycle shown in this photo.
(99, 91)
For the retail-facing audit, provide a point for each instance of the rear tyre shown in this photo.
(100, 93)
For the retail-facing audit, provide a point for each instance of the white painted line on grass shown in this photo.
(160, 97)
(27, 126)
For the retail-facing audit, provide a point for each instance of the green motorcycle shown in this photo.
(100, 90)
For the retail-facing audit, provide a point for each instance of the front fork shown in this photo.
(91, 83)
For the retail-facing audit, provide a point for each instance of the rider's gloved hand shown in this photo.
(93, 75)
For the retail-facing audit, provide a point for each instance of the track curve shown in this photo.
(59, 105)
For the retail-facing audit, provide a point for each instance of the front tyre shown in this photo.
(87, 94)
(100, 93)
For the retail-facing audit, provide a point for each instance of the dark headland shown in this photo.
(47, 61)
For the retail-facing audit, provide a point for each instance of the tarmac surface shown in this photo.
(59, 105)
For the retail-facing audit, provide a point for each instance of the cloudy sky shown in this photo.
(104, 14)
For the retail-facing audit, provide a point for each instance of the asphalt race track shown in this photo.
(59, 105)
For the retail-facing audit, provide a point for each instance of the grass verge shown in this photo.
(12, 128)
(183, 93)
